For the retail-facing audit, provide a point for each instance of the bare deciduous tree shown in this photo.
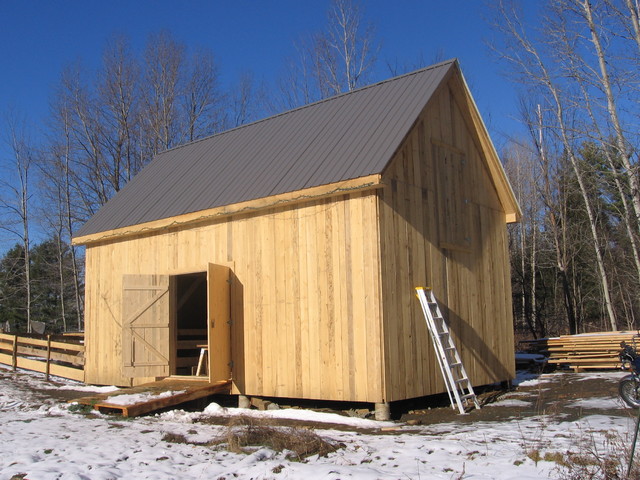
(15, 202)
(337, 59)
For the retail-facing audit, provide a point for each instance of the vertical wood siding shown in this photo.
(442, 226)
(308, 324)
(322, 294)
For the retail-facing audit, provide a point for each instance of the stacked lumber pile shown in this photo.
(586, 351)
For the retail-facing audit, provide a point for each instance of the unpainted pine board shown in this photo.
(404, 292)
(281, 352)
(398, 384)
(296, 300)
(89, 308)
(219, 317)
(508, 345)
(290, 372)
(336, 247)
(333, 284)
(313, 314)
(434, 266)
(238, 345)
(444, 101)
(488, 265)
(108, 368)
(408, 217)
(303, 302)
(267, 305)
(349, 322)
(382, 288)
(278, 348)
(419, 257)
(493, 268)
(289, 299)
(392, 305)
(267, 366)
(503, 342)
(348, 329)
(485, 301)
(373, 319)
(325, 287)
(458, 126)
(501, 318)
(387, 278)
(346, 295)
(423, 210)
(360, 299)
(429, 237)
(473, 335)
(254, 313)
(334, 378)
(476, 334)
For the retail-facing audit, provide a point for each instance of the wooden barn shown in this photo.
(289, 249)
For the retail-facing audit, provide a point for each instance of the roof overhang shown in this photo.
(370, 182)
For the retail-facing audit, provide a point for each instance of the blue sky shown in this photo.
(38, 38)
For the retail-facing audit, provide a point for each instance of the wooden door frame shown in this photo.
(221, 368)
(219, 321)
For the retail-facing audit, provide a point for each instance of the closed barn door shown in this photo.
(146, 314)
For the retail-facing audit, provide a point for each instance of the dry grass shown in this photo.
(594, 461)
(594, 455)
(174, 438)
(299, 443)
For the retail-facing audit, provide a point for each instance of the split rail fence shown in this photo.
(59, 355)
(585, 351)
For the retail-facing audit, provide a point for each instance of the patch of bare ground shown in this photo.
(245, 434)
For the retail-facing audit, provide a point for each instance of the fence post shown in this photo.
(48, 357)
(14, 355)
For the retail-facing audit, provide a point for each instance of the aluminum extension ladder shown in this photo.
(455, 377)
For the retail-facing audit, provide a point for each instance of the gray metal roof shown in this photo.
(341, 138)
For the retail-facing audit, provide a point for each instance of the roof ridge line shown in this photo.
(308, 105)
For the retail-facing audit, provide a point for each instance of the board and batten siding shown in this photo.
(306, 310)
(442, 226)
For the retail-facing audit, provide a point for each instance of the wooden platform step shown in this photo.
(162, 394)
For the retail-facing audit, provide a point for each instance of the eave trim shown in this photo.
(369, 182)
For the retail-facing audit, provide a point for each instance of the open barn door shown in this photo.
(219, 313)
(146, 314)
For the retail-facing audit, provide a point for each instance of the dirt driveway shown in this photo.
(563, 394)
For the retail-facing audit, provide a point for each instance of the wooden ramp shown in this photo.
(134, 401)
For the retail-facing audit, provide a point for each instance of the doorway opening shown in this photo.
(190, 323)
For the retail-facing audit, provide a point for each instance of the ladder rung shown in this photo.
(444, 345)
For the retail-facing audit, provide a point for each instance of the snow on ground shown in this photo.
(42, 439)
(602, 402)
(134, 399)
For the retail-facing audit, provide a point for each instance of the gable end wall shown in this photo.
(442, 226)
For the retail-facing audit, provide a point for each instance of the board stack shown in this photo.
(587, 351)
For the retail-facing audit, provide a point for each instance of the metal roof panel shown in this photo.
(341, 138)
